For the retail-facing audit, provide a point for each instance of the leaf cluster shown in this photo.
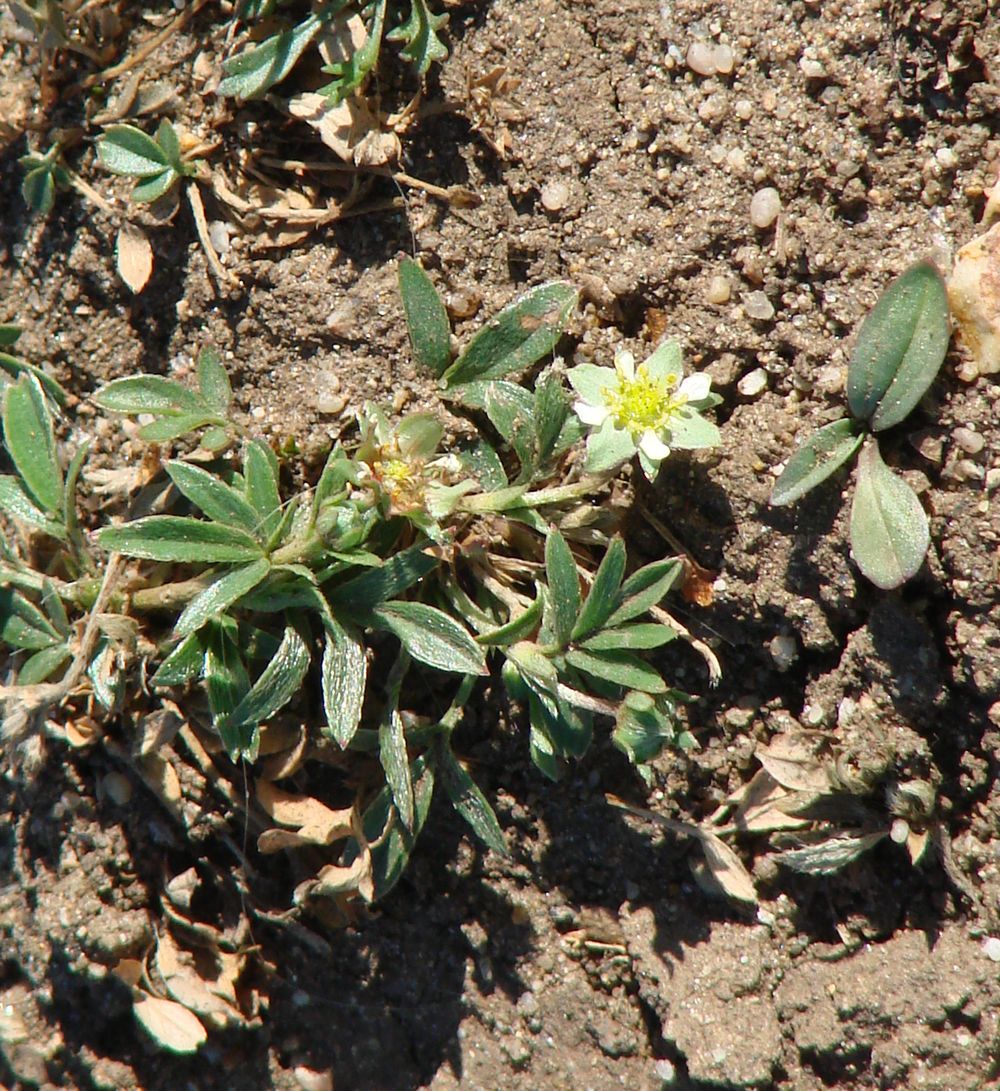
(403, 574)
(156, 162)
(253, 72)
(898, 353)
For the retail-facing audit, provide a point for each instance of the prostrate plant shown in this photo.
(899, 351)
(402, 559)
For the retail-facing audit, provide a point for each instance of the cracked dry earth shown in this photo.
(591, 959)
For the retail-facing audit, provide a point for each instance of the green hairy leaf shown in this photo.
(900, 348)
(124, 149)
(9, 335)
(518, 336)
(889, 530)
(22, 624)
(150, 394)
(395, 762)
(621, 668)
(13, 367)
(604, 596)
(250, 74)
(220, 502)
(28, 437)
(564, 586)
(175, 538)
(43, 664)
(397, 575)
(431, 636)
(345, 671)
(426, 318)
(18, 505)
(218, 597)
(213, 381)
(822, 454)
(185, 663)
(644, 589)
(468, 799)
(279, 682)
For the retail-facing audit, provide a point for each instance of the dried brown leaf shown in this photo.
(133, 257)
(341, 125)
(725, 869)
(130, 970)
(169, 1024)
(830, 856)
(186, 982)
(162, 778)
(158, 728)
(181, 889)
(792, 761)
(316, 823)
(761, 806)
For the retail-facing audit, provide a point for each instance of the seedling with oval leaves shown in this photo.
(899, 350)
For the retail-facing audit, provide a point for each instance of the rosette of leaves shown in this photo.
(898, 353)
(156, 162)
(253, 72)
(43, 175)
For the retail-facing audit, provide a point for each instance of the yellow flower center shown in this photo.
(402, 481)
(643, 402)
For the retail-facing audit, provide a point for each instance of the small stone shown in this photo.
(725, 59)
(719, 290)
(753, 383)
(899, 831)
(991, 949)
(784, 651)
(765, 207)
(331, 404)
(971, 442)
(118, 788)
(665, 1072)
(463, 303)
(946, 158)
(218, 233)
(310, 1080)
(758, 306)
(743, 109)
(555, 196)
(701, 58)
(993, 479)
(527, 1004)
(812, 69)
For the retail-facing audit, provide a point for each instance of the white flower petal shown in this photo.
(652, 446)
(695, 387)
(625, 364)
(591, 414)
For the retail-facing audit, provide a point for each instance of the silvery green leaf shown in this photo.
(28, 437)
(518, 336)
(185, 663)
(124, 149)
(426, 318)
(690, 431)
(820, 456)
(219, 596)
(889, 529)
(219, 501)
(831, 856)
(250, 74)
(644, 589)
(900, 348)
(22, 624)
(604, 596)
(149, 394)
(468, 799)
(213, 381)
(619, 667)
(173, 538)
(431, 636)
(345, 670)
(564, 586)
(396, 764)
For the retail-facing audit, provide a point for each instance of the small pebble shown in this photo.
(946, 158)
(811, 69)
(701, 58)
(993, 479)
(719, 290)
(665, 1072)
(310, 1080)
(899, 831)
(784, 651)
(725, 59)
(991, 949)
(753, 383)
(218, 233)
(971, 442)
(332, 404)
(555, 196)
(743, 109)
(765, 207)
(118, 788)
(758, 306)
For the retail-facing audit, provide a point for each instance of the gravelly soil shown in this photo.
(590, 959)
